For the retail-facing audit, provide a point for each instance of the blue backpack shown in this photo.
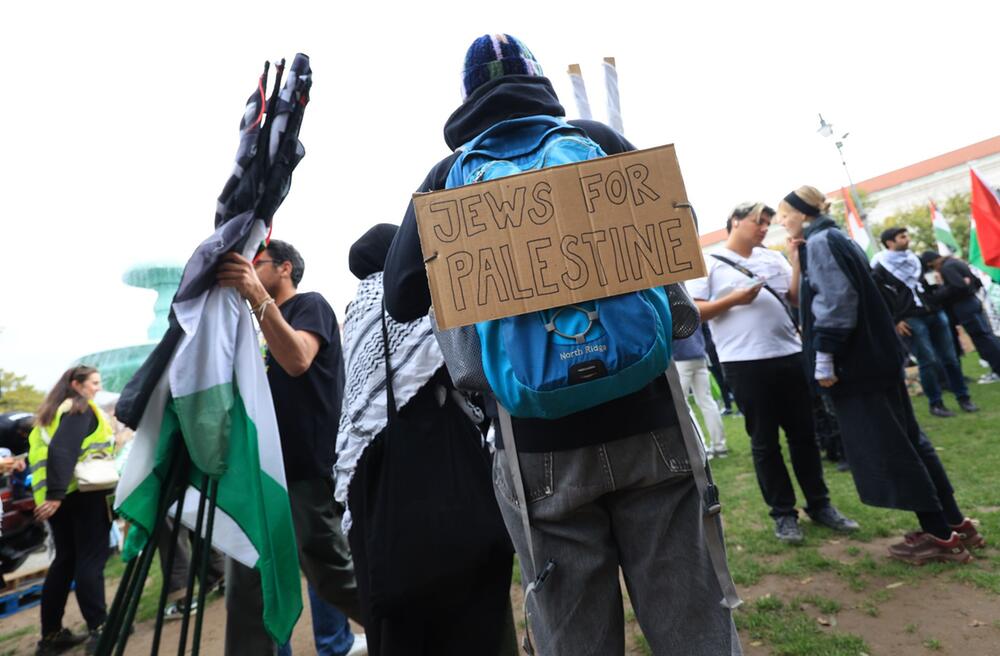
(553, 363)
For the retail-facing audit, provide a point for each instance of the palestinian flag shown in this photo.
(204, 389)
(214, 398)
(855, 228)
(946, 242)
(976, 254)
(985, 206)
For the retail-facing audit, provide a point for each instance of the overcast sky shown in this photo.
(120, 121)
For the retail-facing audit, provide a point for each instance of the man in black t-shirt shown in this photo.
(305, 371)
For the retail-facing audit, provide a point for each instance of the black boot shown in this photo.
(56, 643)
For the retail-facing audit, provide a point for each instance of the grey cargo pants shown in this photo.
(629, 504)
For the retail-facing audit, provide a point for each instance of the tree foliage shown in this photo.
(17, 394)
(918, 222)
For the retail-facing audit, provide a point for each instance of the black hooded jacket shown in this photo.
(408, 297)
(843, 312)
(958, 283)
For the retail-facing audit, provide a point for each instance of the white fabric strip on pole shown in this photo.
(579, 91)
(614, 102)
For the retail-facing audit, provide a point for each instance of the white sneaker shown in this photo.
(720, 451)
(360, 647)
(986, 379)
(175, 610)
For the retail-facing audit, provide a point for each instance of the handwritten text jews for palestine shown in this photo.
(557, 236)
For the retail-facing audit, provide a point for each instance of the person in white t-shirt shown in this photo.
(747, 298)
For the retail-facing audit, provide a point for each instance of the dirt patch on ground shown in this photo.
(896, 617)
(213, 630)
(893, 617)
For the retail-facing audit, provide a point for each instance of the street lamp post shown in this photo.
(826, 130)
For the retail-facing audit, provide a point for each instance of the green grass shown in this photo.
(642, 645)
(966, 445)
(824, 605)
(789, 631)
(17, 633)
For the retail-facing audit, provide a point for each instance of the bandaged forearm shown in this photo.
(824, 365)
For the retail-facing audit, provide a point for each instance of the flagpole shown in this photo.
(826, 130)
(194, 566)
(206, 555)
(115, 633)
(168, 567)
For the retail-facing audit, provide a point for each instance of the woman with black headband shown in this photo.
(856, 357)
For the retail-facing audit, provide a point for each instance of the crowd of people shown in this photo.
(410, 497)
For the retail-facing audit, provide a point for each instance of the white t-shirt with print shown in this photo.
(759, 330)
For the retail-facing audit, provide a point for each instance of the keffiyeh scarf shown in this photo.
(905, 266)
(416, 357)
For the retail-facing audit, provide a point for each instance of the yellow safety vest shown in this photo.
(100, 441)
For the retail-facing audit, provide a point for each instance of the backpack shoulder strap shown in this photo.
(711, 507)
(549, 121)
(510, 452)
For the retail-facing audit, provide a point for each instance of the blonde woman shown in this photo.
(855, 356)
(68, 428)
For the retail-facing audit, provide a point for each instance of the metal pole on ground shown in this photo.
(206, 556)
(168, 567)
(195, 566)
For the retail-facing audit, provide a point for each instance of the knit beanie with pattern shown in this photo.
(494, 55)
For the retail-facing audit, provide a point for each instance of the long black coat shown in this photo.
(843, 313)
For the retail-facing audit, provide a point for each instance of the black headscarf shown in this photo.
(368, 253)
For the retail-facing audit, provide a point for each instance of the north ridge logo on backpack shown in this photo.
(553, 363)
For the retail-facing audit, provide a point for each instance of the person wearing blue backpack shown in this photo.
(592, 488)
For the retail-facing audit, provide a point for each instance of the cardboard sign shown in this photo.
(557, 236)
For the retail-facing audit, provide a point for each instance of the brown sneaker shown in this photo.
(970, 535)
(923, 548)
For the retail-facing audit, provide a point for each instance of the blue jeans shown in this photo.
(932, 345)
(969, 313)
(331, 630)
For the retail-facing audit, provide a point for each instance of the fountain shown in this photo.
(118, 365)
